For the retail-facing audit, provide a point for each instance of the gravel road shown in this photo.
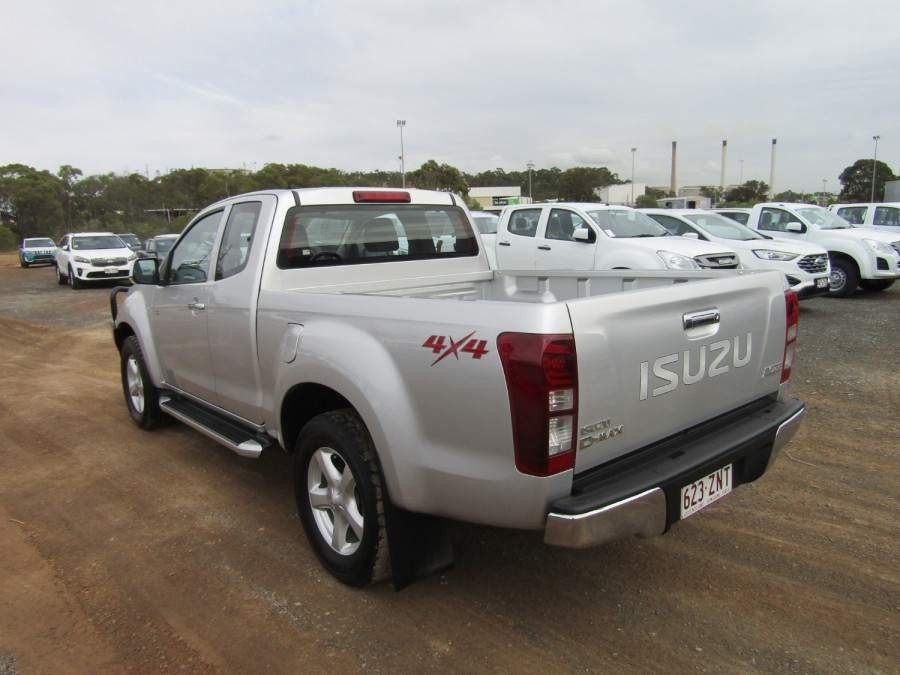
(126, 551)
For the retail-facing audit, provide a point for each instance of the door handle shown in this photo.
(196, 306)
(503, 243)
(543, 247)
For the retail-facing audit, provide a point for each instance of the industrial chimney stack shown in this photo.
(672, 186)
(724, 150)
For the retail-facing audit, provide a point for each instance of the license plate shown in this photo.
(705, 491)
(110, 270)
(822, 283)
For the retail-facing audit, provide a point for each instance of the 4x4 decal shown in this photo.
(439, 345)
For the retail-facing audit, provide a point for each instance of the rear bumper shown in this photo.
(639, 495)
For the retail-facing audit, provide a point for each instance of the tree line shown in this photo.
(41, 203)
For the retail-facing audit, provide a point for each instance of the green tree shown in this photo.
(434, 176)
(35, 199)
(857, 180)
(715, 194)
(797, 197)
(645, 201)
(7, 239)
(750, 192)
(579, 184)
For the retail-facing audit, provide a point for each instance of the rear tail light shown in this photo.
(542, 380)
(792, 307)
(389, 196)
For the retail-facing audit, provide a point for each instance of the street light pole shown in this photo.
(824, 198)
(530, 167)
(401, 124)
(742, 173)
(633, 150)
(874, 166)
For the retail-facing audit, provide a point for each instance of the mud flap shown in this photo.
(419, 545)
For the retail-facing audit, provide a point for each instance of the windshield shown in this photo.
(722, 227)
(824, 218)
(38, 242)
(96, 242)
(627, 223)
(163, 245)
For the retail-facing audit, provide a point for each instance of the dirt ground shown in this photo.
(130, 551)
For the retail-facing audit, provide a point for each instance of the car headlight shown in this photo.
(133, 256)
(676, 261)
(878, 247)
(767, 254)
(81, 259)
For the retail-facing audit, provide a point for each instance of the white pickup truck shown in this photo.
(364, 331)
(860, 257)
(588, 236)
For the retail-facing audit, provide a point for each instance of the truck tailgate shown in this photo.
(651, 364)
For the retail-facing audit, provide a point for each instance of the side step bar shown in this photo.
(233, 436)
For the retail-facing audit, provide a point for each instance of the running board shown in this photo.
(232, 435)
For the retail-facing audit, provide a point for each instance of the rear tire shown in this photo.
(844, 278)
(141, 397)
(876, 285)
(340, 498)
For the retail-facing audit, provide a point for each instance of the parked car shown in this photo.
(92, 256)
(132, 241)
(877, 216)
(591, 236)
(738, 214)
(420, 387)
(37, 251)
(804, 265)
(158, 246)
(487, 223)
(860, 257)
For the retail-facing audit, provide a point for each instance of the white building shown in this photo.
(625, 195)
(495, 198)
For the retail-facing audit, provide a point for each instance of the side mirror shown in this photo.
(585, 235)
(794, 226)
(691, 235)
(145, 271)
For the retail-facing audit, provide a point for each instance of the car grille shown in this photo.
(813, 264)
(108, 262)
(717, 261)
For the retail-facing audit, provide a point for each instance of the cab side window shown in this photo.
(853, 214)
(773, 220)
(562, 224)
(189, 262)
(887, 215)
(237, 239)
(524, 222)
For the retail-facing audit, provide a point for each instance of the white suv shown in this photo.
(82, 257)
(804, 265)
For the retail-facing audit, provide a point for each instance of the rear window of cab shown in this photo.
(373, 233)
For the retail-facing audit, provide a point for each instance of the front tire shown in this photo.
(340, 498)
(74, 281)
(60, 277)
(141, 397)
(844, 278)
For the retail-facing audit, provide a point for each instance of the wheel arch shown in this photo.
(303, 402)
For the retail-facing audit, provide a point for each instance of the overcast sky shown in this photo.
(124, 86)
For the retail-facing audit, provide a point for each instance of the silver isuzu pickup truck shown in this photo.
(363, 331)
